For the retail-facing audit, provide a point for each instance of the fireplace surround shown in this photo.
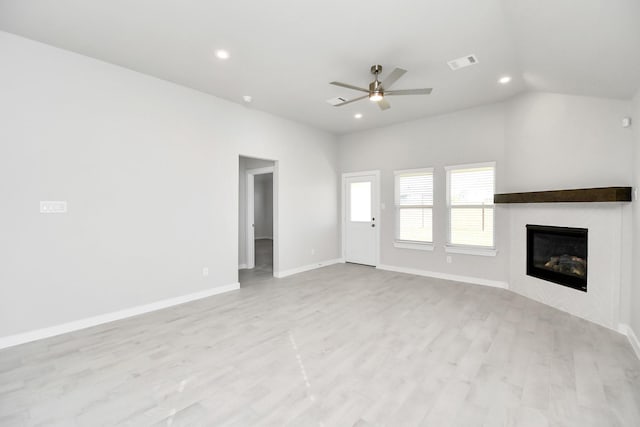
(558, 255)
(609, 250)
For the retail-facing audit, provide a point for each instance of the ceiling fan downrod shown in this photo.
(376, 92)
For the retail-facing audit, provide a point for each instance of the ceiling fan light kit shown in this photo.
(378, 90)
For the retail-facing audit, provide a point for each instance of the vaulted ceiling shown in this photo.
(283, 53)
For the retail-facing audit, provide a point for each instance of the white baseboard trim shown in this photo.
(242, 267)
(631, 336)
(292, 271)
(76, 325)
(446, 276)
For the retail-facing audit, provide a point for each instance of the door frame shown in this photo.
(376, 210)
(249, 225)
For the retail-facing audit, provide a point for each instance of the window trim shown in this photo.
(469, 249)
(411, 244)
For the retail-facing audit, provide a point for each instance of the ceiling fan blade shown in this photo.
(393, 77)
(351, 100)
(348, 86)
(425, 91)
(384, 104)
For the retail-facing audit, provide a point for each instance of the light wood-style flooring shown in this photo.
(344, 345)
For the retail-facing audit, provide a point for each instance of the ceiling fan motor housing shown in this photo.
(375, 87)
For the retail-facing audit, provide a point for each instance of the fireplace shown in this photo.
(558, 255)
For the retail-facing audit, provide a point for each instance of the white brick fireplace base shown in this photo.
(606, 223)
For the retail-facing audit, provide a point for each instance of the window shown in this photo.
(470, 191)
(360, 202)
(414, 206)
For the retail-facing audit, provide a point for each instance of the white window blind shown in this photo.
(470, 204)
(414, 205)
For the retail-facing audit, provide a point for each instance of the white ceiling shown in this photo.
(284, 52)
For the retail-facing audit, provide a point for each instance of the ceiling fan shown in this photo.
(379, 89)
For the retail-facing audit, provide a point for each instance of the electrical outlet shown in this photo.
(205, 271)
(313, 251)
(449, 259)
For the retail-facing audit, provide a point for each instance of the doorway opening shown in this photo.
(257, 239)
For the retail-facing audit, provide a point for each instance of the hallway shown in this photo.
(264, 264)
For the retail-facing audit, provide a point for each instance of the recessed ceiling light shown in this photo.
(504, 80)
(357, 115)
(247, 99)
(222, 54)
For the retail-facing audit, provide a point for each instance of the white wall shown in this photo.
(559, 141)
(468, 136)
(635, 287)
(263, 206)
(150, 172)
(244, 164)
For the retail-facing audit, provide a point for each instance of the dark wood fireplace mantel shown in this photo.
(581, 195)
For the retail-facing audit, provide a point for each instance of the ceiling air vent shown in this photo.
(337, 100)
(465, 61)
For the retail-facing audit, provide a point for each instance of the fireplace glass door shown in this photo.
(558, 255)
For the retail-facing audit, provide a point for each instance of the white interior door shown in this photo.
(360, 221)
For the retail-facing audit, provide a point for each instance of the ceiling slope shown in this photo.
(285, 52)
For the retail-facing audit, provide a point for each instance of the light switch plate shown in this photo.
(53, 206)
